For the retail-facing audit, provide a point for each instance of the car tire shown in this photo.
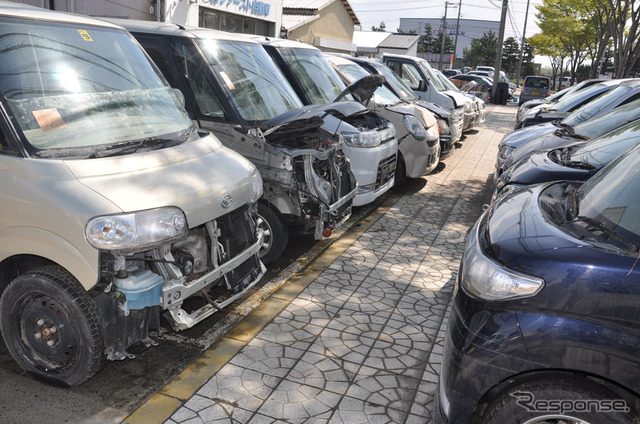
(52, 327)
(519, 404)
(275, 233)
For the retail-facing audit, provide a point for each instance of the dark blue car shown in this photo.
(545, 321)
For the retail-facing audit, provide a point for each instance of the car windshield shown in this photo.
(382, 95)
(612, 196)
(609, 121)
(446, 82)
(256, 85)
(74, 90)
(433, 78)
(568, 102)
(602, 150)
(590, 109)
(399, 86)
(319, 80)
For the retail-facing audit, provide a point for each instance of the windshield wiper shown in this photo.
(594, 223)
(135, 145)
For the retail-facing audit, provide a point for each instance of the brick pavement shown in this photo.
(362, 341)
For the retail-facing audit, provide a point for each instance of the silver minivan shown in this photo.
(233, 89)
(115, 207)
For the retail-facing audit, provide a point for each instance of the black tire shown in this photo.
(276, 233)
(51, 327)
(519, 404)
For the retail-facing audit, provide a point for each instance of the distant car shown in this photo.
(535, 87)
(451, 72)
(485, 68)
(543, 325)
(529, 104)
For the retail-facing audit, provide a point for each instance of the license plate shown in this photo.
(535, 93)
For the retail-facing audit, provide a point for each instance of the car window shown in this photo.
(590, 109)
(406, 93)
(610, 120)
(605, 148)
(410, 75)
(536, 82)
(433, 78)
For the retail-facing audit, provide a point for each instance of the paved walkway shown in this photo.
(357, 336)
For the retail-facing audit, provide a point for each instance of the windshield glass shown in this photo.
(587, 111)
(433, 78)
(610, 120)
(318, 79)
(73, 89)
(382, 95)
(568, 102)
(612, 196)
(602, 150)
(446, 82)
(256, 85)
(399, 86)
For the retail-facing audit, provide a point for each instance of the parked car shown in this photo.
(372, 150)
(534, 87)
(485, 68)
(482, 88)
(449, 132)
(419, 75)
(543, 322)
(575, 162)
(451, 72)
(416, 128)
(524, 107)
(115, 207)
(233, 88)
(582, 124)
(564, 107)
(478, 106)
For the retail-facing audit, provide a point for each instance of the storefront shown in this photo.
(260, 17)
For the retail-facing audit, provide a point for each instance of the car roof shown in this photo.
(280, 42)
(169, 29)
(19, 10)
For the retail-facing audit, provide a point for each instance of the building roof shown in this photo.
(291, 22)
(304, 7)
(399, 41)
(369, 39)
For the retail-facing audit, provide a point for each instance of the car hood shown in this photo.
(458, 97)
(439, 111)
(423, 114)
(193, 176)
(545, 142)
(539, 167)
(312, 116)
(363, 88)
(523, 135)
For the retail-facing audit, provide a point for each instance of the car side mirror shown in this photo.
(422, 85)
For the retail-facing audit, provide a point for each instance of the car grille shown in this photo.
(386, 171)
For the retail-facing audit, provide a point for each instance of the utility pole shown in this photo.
(443, 32)
(498, 62)
(524, 32)
(455, 44)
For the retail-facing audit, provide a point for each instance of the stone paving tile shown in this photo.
(363, 343)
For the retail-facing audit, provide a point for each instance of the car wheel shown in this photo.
(275, 233)
(558, 401)
(51, 327)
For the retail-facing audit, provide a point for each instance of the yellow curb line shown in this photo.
(162, 405)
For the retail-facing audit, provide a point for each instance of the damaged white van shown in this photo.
(115, 208)
(232, 88)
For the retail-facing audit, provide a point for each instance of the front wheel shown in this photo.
(51, 327)
(559, 400)
(275, 233)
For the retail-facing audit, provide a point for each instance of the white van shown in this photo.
(115, 207)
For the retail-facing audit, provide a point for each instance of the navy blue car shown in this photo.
(576, 162)
(545, 321)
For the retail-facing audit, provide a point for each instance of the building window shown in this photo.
(230, 22)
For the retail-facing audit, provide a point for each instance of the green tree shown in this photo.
(381, 28)
(482, 50)
(426, 40)
(510, 56)
(551, 47)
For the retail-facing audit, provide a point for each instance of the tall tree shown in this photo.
(623, 21)
(549, 46)
(381, 28)
(482, 50)
(510, 56)
(426, 40)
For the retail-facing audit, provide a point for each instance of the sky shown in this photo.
(372, 12)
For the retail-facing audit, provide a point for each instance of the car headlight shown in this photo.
(488, 280)
(457, 114)
(443, 126)
(257, 186)
(468, 107)
(371, 138)
(505, 152)
(415, 127)
(137, 231)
